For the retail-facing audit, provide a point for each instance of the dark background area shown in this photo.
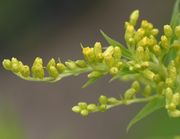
(51, 28)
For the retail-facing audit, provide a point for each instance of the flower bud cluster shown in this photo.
(16, 66)
(172, 102)
(108, 60)
(104, 102)
(152, 61)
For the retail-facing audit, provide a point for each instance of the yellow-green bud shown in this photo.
(94, 74)
(7, 64)
(71, 65)
(149, 74)
(88, 54)
(103, 99)
(51, 62)
(164, 41)
(139, 34)
(53, 71)
(168, 30)
(38, 60)
(117, 53)
(136, 85)
(38, 71)
(175, 113)
(176, 99)
(25, 71)
(168, 94)
(92, 107)
(15, 67)
(130, 93)
(147, 91)
(171, 107)
(84, 112)
(177, 31)
(82, 105)
(154, 32)
(102, 107)
(169, 82)
(108, 51)
(134, 17)
(157, 49)
(60, 67)
(114, 70)
(76, 109)
(129, 33)
(80, 63)
(97, 48)
(112, 100)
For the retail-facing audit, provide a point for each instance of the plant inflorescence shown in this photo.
(150, 60)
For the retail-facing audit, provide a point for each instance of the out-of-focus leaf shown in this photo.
(149, 108)
(125, 51)
(175, 18)
(10, 127)
(169, 56)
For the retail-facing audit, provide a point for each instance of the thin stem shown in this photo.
(136, 100)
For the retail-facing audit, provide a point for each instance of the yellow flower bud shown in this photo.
(82, 105)
(136, 85)
(157, 49)
(139, 34)
(97, 48)
(114, 70)
(164, 41)
(168, 94)
(76, 109)
(102, 107)
(154, 32)
(25, 71)
(130, 93)
(177, 31)
(37, 71)
(84, 112)
(7, 64)
(175, 113)
(149, 74)
(92, 107)
(38, 60)
(103, 99)
(60, 67)
(134, 17)
(80, 63)
(112, 100)
(176, 99)
(168, 30)
(71, 65)
(147, 91)
(51, 62)
(53, 72)
(117, 53)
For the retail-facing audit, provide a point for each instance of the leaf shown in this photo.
(10, 125)
(90, 81)
(147, 110)
(169, 56)
(125, 51)
(175, 18)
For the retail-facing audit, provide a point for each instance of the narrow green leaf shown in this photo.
(175, 19)
(169, 56)
(89, 82)
(125, 51)
(152, 106)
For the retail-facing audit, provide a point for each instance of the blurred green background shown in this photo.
(51, 28)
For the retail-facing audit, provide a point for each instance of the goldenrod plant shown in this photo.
(150, 60)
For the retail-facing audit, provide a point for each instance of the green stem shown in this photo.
(136, 100)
